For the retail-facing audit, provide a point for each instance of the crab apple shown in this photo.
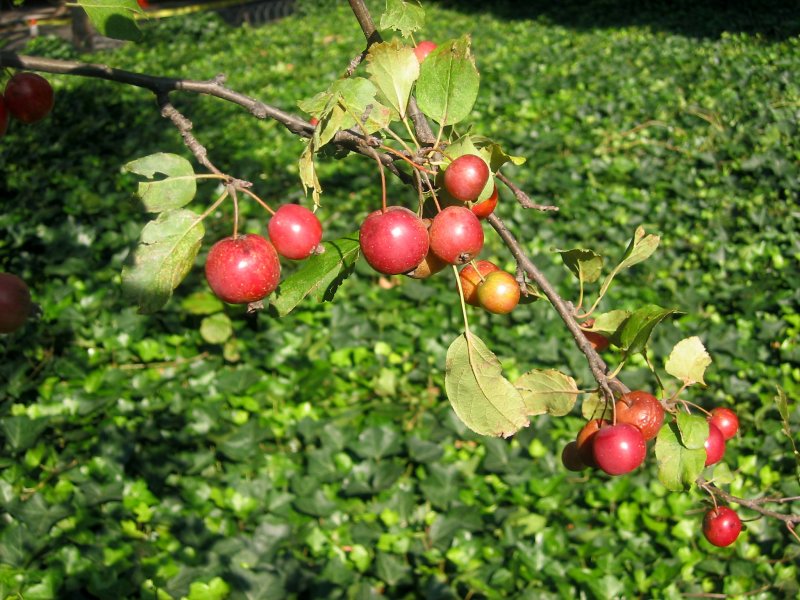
(471, 277)
(598, 341)
(295, 231)
(29, 97)
(585, 440)
(714, 445)
(485, 208)
(619, 449)
(465, 177)
(395, 241)
(571, 457)
(313, 121)
(424, 48)
(3, 117)
(722, 526)
(456, 235)
(499, 293)
(726, 421)
(243, 269)
(430, 265)
(641, 409)
(15, 303)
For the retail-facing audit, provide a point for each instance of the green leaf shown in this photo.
(494, 154)
(405, 17)
(202, 303)
(393, 68)
(586, 265)
(782, 403)
(722, 474)
(639, 249)
(319, 276)
(165, 254)
(174, 191)
(688, 361)
(308, 173)
(594, 406)
(481, 397)
(639, 326)
(114, 18)
(22, 432)
(549, 391)
(693, 429)
(678, 466)
(448, 82)
(609, 323)
(216, 329)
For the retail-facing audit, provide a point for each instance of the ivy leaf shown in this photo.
(448, 82)
(480, 395)
(678, 466)
(174, 191)
(639, 326)
(585, 264)
(402, 16)
(640, 248)
(319, 276)
(216, 329)
(549, 391)
(165, 254)
(308, 173)
(202, 303)
(688, 361)
(594, 406)
(114, 18)
(394, 68)
(693, 429)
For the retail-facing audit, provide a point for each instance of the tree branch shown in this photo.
(522, 197)
(755, 505)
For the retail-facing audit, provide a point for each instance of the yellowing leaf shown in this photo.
(549, 391)
(480, 395)
(688, 361)
(393, 68)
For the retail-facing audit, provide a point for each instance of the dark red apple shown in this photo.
(3, 116)
(714, 445)
(243, 269)
(295, 231)
(15, 303)
(395, 241)
(465, 177)
(619, 449)
(642, 410)
(722, 526)
(29, 97)
(725, 420)
(456, 235)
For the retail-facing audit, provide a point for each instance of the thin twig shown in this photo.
(522, 197)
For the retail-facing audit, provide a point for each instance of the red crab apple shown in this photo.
(585, 440)
(424, 48)
(722, 526)
(499, 293)
(725, 420)
(485, 208)
(3, 116)
(641, 409)
(465, 177)
(243, 269)
(456, 235)
(472, 277)
(395, 241)
(15, 303)
(571, 457)
(28, 97)
(598, 341)
(714, 445)
(619, 449)
(295, 231)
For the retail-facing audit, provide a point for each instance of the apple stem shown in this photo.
(383, 184)
(235, 211)
(211, 208)
(463, 303)
(263, 204)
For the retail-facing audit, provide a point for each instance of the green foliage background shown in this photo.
(317, 456)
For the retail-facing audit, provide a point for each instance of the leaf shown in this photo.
(175, 191)
(688, 361)
(639, 326)
(21, 431)
(678, 466)
(594, 406)
(216, 329)
(114, 18)
(494, 154)
(484, 400)
(165, 254)
(549, 391)
(202, 303)
(448, 82)
(319, 276)
(639, 249)
(722, 474)
(402, 16)
(308, 173)
(782, 402)
(393, 68)
(610, 322)
(585, 264)
(693, 430)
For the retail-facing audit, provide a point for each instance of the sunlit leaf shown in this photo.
(176, 189)
(448, 82)
(585, 264)
(403, 16)
(481, 396)
(549, 391)
(216, 329)
(688, 361)
(308, 174)
(640, 248)
(639, 327)
(678, 466)
(393, 68)
(114, 18)
(693, 430)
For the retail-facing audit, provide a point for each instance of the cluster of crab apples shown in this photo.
(27, 97)
(620, 447)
